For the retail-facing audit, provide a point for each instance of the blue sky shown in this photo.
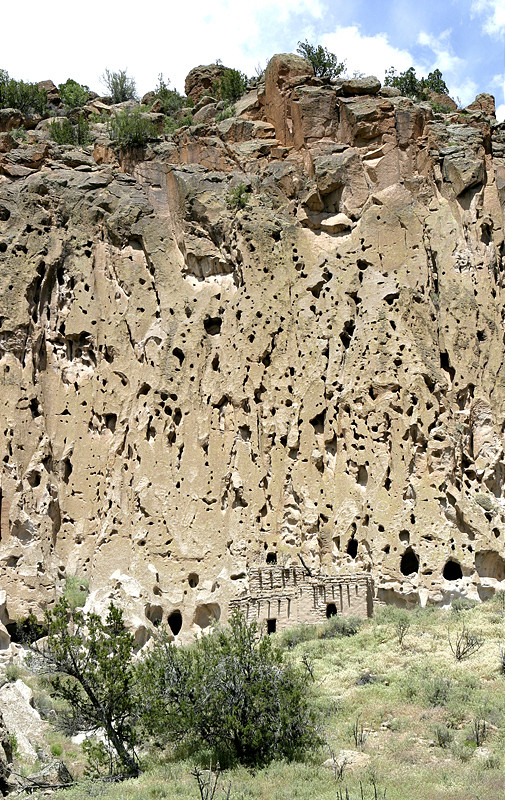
(463, 38)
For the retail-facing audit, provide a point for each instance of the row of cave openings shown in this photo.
(409, 562)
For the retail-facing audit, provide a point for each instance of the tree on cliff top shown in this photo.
(416, 88)
(325, 64)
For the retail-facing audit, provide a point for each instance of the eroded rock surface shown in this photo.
(5, 757)
(185, 382)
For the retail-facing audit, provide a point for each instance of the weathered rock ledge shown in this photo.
(185, 383)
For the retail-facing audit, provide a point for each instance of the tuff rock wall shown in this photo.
(184, 383)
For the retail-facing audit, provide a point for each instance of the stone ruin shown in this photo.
(280, 596)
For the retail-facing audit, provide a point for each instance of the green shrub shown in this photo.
(340, 626)
(231, 86)
(463, 604)
(499, 597)
(173, 124)
(119, 85)
(416, 88)
(227, 112)
(131, 128)
(14, 743)
(56, 750)
(75, 591)
(62, 131)
(443, 735)
(19, 134)
(43, 703)
(325, 64)
(231, 691)
(238, 196)
(170, 99)
(26, 97)
(438, 690)
(97, 756)
(73, 94)
(299, 633)
(440, 108)
(12, 672)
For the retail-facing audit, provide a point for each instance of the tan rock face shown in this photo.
(184, 383)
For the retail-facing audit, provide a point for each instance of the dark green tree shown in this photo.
(91, 662)
(73, 94)
(62, 131)
(416, 88)
(231, 691)
(170, 99)
(325, 63)
(231, 86)
(26, 97)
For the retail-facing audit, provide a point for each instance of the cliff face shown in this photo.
(184, 382)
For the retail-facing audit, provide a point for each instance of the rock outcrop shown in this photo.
(5, 757)
(185, 381)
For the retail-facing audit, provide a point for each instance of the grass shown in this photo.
(76, 591)
(419, 708)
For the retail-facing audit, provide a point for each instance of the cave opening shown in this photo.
(452, 571)
(175, 622)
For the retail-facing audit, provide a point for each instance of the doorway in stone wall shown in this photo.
(331, 610)
(271, 626)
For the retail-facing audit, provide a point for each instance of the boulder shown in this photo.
(7, 143)
(148, 99)
(200, 80)
(353, 86)
(204, 100)
(444, 101)
(53, 95)
(5, 638)
(342, 182)
(10, 118)
(22, 719)
(462, 171)
(484, 103)
(337, 223)
(389, 91)
(363, 119)
(206, 113)
(352, 760)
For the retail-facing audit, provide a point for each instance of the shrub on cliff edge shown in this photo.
(325, 64)
(26, 97)
(131, 128)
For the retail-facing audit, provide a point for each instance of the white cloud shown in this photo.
(372, 55)
(493, 12)
(454, 68)
(445, 58)
(169, 37)
(464, 92)
(500, 112)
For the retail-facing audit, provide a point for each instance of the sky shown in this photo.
(57, 40)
